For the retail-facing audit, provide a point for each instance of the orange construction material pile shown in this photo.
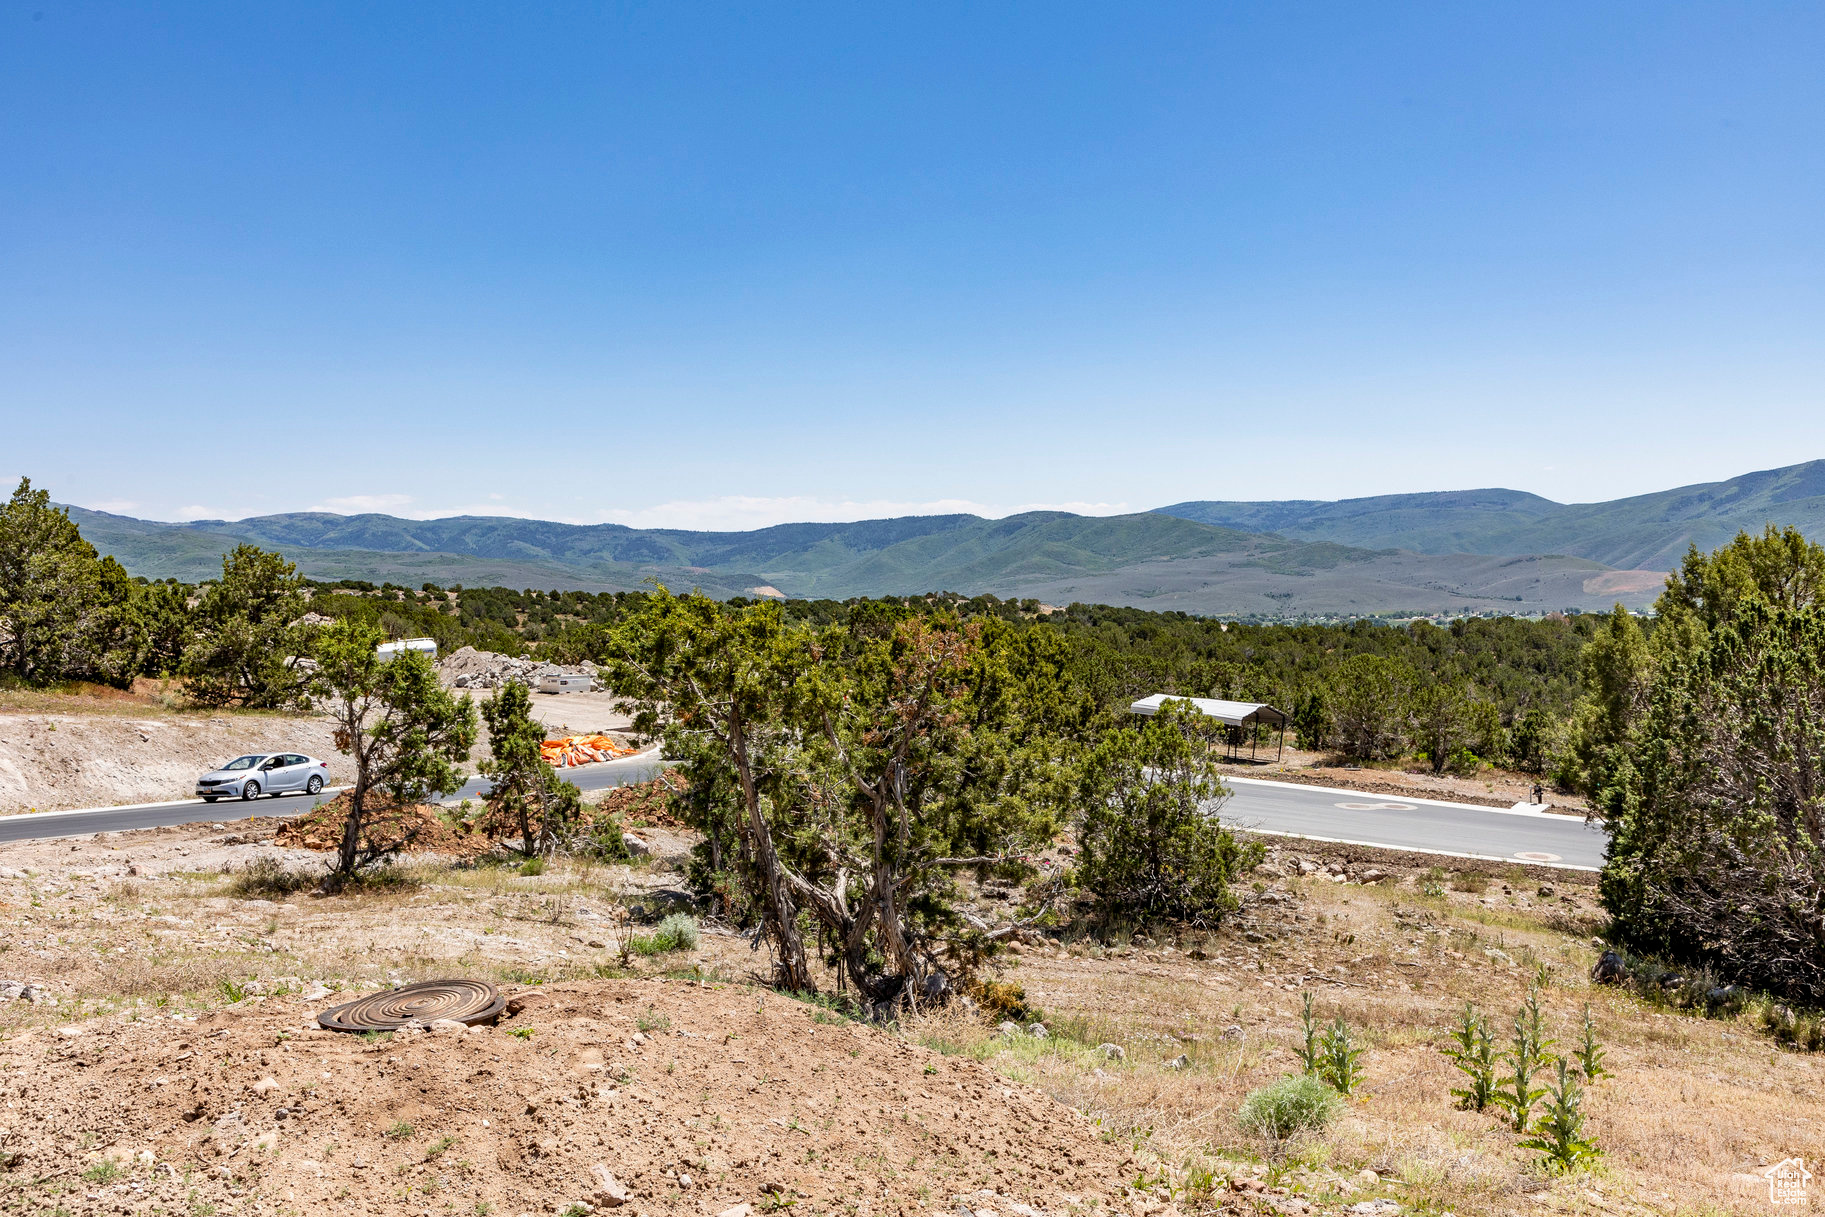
(581, 750)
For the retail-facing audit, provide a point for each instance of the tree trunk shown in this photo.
(791, 969)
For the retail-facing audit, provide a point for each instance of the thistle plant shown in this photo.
(1526, 1057)
(1309, 1051)
(1472, 1050)
(1337, 1059)
(1559, 1133)
(1589, 1053)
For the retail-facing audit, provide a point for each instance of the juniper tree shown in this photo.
(866, 767)
(1717, 802)
(248, 642)
(401, 729)
(525, 793)
(65, 612)
(1151, 843)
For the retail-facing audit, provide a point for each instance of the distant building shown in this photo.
(1239, 718)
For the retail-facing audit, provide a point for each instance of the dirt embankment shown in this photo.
(51, 761)
(663, 1096)
(108, 748)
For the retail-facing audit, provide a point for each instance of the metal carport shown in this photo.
(1234, 715)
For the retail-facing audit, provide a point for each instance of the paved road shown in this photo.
(1319, 812)
(1460, 829)
(194, 811)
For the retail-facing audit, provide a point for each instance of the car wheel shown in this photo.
(251, 790)
(314, 786)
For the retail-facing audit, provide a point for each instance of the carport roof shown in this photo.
(1229, 713)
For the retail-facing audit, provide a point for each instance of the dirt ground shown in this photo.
(166, 996)
(693, 1096)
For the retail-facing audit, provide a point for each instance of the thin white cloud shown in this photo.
(356, 504)
(196, 512)
(741, 512)
(118, 507)
(727, 513)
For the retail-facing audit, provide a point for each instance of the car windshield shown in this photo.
(244, 762)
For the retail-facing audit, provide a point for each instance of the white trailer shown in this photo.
(389, 651)
(561, 682)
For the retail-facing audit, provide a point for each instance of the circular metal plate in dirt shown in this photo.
(466, 1001)
(1375, 806)
(1534, 855)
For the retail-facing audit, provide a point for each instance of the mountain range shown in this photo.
(1647, 532)
(1430, 553)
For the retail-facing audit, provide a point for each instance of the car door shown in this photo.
(297, 771)
(272, 774)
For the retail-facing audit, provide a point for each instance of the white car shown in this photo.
(258, 773)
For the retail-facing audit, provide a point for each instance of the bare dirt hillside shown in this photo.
(104, 748)
(50, 761)
(691, 1096)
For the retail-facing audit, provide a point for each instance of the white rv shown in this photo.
(389, 651)
(559, 682)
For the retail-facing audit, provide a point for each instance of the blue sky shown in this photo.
(721, 266)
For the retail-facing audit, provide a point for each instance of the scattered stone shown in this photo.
(608, 1191)
(266, 1085)
(1008, 1030)
(1233, 1033)
(1180, 1061)
(1609, 970)
(19, 990)
(1547, 889)
(447, 1026)
(1037, 1030)
(1722, 996)
(1374, 1208)
(739, 1210)
(1114, 1052)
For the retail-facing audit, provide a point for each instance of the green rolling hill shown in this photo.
(1147, 559)
(1645, 532)
(1449, 552)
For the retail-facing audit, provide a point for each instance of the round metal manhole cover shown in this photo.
(1376, 806)
(1534, 855)
(466, 1001)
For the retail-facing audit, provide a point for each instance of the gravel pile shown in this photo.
(468, 668)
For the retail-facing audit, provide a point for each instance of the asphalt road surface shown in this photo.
(1459, 829)
(1318, 812)
(194, 811)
